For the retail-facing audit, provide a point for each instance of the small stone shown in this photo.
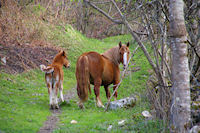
(73, 122)
(146, 114)
(121, 123)
(195, 129)
(109, 128)
(3, 60)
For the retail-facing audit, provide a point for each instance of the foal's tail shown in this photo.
(82, 77)
(47, 69)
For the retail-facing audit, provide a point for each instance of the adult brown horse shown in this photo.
(54, 77)
(100, 70)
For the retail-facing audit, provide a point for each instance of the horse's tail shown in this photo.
(82, 77)
(47, 69)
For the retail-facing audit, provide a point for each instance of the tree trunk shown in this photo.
(180, 106)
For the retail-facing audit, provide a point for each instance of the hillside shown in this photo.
(24, 97)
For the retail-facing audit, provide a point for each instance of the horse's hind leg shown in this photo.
(54, 96)
(61, 91)
(97, 85)
(80, 103)
(50, 95)
(55, 99)
(107, 92)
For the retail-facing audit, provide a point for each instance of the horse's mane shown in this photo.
(57, 57)
(113, 55)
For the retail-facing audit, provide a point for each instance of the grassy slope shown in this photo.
(24, 99)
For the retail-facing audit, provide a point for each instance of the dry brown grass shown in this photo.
(23, 39)
(19, 26)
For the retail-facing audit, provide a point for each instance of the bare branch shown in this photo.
(137, 39)
(167, 66)
(101, 2)
(104, 13)
(195, 51)
(123, 76)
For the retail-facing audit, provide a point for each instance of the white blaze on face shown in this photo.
(125, 60)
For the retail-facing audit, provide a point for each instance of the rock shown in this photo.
(73, 122)
(121, 123)
(146, 114)
(3, 60)
(123, 103)
(109, 128)
(195, 129)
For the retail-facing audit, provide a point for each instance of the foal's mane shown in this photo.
(57, 57)
(113, 55)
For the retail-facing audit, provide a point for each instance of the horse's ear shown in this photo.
(120, 44)
(127, 44)
(63, 53)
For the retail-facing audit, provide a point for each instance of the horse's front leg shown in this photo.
(97, 84)
(107, 92)
(115, 85)
(61, 91)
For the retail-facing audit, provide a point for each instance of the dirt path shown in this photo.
(51, 123)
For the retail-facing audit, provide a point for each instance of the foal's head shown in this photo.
(124, 54)
(62, 59)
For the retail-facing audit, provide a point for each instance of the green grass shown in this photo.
(24, 98)
(94, 119)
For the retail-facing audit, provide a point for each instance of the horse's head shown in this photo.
(64, 59)
(124, 54)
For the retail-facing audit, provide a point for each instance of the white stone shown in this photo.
(121, 123)
(123, 103)
(146, 114)
(3, 60)
(73, 122)
(195, 129)
(109, 128)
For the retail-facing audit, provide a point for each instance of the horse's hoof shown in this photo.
(51, 107)
(56, 106)
(100, 105)
(81, 106)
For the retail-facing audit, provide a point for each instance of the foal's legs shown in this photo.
(53, 98)
(107, 92)
(50, 95)
(50, 90)
(97, 84)
(61, 91)
(54, 95)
